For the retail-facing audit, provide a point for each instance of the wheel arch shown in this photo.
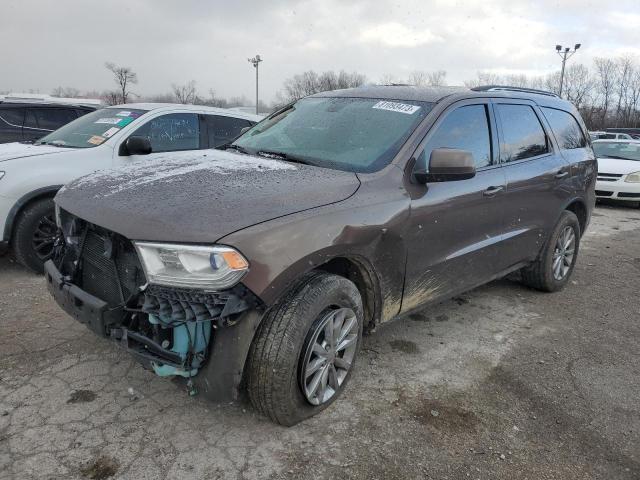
(579, 208)
(22, 203)
(366, 281)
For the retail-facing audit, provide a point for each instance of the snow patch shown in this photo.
(167, 167)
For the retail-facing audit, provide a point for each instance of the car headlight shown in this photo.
(191, 266)
(633, 177)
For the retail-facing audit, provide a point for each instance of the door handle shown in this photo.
(492, 191)
(562, 173)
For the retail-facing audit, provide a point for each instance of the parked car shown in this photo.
(618, 170)
(262, 265)
(30, 175)
(28, 117)
(610, 136)
(634, 133)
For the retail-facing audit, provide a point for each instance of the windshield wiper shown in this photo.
(231, 146)
(283, 156)
(617, 158)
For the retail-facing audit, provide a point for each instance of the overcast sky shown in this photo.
(50, 43)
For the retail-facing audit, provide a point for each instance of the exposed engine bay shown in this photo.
(98, 279)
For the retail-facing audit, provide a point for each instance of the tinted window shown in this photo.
(53, 118)
(12, 116)
(466, 128)
(168, 133)
(224, 129)
(522, 132)
(30, 119)
(565, 128)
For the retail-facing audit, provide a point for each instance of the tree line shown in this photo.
(607, 93)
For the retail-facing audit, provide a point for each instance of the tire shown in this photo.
(35, 227)
(280, 350)
(541, 274)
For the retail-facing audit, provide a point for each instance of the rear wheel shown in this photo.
(553, 268)
(304, 350)
(34, 234)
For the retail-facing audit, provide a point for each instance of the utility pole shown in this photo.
(255, 61)
(565, 55)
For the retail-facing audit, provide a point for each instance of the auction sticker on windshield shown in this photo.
(397, 107)
(96, 140)
(112, 131)
(110, 121)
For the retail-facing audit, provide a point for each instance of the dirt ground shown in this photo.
(500, 383)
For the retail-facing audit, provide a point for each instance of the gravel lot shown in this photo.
(502, 382)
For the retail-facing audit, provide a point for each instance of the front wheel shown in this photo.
(34, 234)
(305, 348)
(553, 268)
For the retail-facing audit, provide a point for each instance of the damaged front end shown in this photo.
(97, 277)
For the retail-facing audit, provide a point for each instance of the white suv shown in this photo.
(31, 174)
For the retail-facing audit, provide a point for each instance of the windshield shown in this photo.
(92, 129)
(352, 134)
(620, 150)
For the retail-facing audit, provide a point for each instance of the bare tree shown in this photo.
(483, 78)
(437, 78)
(68, 92)
(418, 78)
(310, 82)
(427, 79)
(185, 93)
(605, 80)
(124, 77)
(578, 84)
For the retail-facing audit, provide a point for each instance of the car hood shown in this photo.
(615, 165)
(12, 151)
(199, 197)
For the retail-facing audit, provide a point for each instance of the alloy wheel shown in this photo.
(328, 355)
(44, 236)
(563, 253)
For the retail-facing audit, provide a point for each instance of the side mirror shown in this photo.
(136, 146)
(244, 129)
(446, 165)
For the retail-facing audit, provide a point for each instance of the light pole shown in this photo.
(565, 55)
(255, 61)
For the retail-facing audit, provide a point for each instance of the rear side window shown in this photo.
(53, 118)
(12, 116)
(224, 129)
(523, 135)
(466, 128)
(172, 132)
(566, 129)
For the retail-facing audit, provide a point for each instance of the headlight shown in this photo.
(191, 266)
(1, 175)
(633, 177)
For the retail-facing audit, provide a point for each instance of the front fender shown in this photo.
(282, 250)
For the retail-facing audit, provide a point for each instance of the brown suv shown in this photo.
(260, 264)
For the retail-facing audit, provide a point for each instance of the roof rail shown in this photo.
(43, 98)
(494, 88)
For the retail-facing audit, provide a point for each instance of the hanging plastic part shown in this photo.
(190, 342)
